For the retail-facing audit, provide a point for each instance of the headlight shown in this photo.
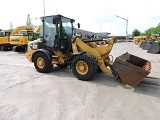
(33, 46)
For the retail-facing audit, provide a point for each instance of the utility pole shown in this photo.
(44, 6)
(126, 25)
(56, 11)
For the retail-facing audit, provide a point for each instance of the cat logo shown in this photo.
(15, 40)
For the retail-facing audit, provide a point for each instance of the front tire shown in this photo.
(42, 63)
(84, 67)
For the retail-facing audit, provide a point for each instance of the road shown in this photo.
(26, 94)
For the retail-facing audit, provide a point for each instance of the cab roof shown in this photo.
(54, 16)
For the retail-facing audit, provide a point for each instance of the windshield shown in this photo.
(49, 31)
(1, 33)
(33, 36)
(7, 33)
(67, 26)
(23, 33)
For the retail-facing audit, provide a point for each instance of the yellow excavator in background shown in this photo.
(21, 39)
(4, 40)
(5, 43)
(59, 45)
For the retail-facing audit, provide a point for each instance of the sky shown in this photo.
(93, 15)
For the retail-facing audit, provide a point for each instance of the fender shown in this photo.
(78, 53)
(48, 53)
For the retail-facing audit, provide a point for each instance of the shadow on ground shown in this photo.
(100, 78)
(104, 79)
(148, 87)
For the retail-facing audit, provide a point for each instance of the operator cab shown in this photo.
(4, 33)
(7, 33)
(57, 32)
(33, 36)
(23, 33)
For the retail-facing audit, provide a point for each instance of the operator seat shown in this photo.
(65, 43)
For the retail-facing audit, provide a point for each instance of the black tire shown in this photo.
(92, 67)
(47, 63)
(25, 49)
(16, 49)
(9, 47)
(4, 48)
(1, 48)
(99, 70)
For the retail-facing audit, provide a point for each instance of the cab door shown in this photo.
(7, 34)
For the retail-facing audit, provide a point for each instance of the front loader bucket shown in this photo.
(143, 44)
(154, 48)
(148, 44)
(131, 69)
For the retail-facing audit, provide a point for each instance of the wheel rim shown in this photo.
(81, 67)
(40, 62)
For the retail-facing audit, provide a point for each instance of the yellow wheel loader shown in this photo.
(57, 45)
(139, 39)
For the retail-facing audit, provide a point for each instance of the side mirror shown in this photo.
(54, 20)
(78, 25)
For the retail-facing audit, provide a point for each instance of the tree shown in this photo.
(11, 26)
(150, 31)
(136, 32)
(142, 34)
(153, 30)
(157, 29)
(28, 21)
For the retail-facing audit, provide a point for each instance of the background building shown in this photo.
(85, 32)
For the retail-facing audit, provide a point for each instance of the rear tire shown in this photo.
(42, 63)
(84, 67)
